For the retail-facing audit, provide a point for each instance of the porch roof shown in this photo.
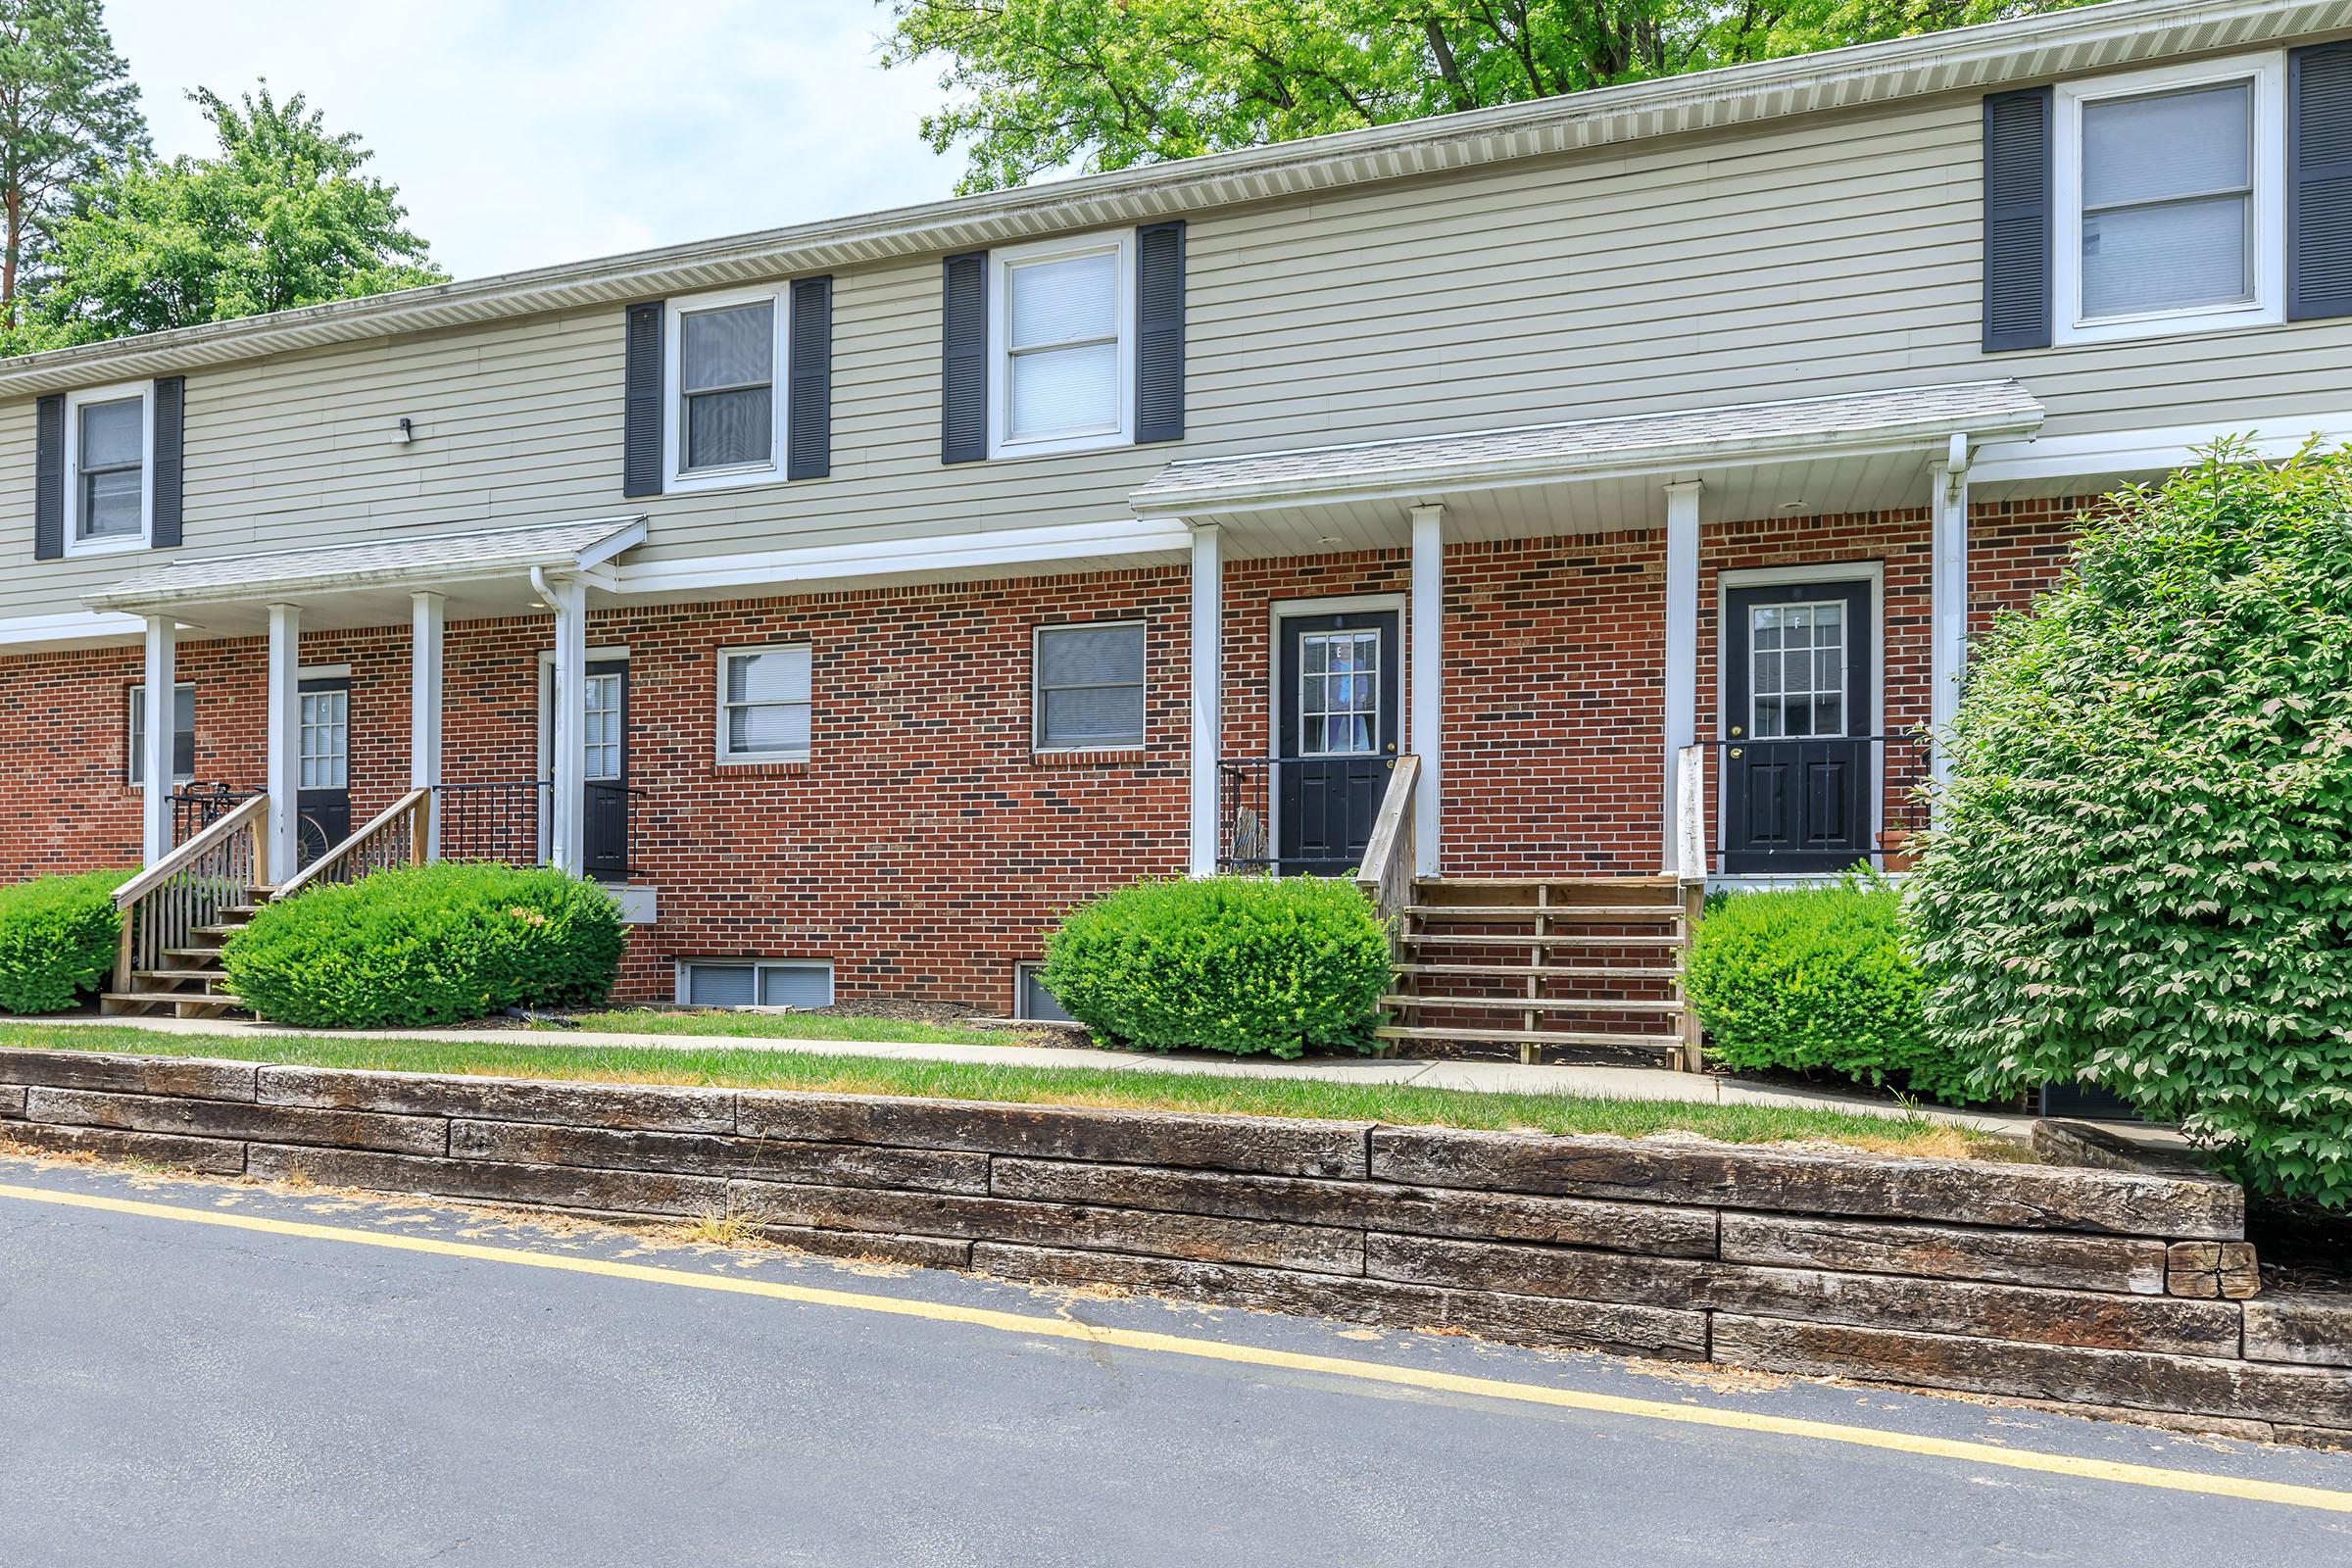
(401, 564)
(1856, 424)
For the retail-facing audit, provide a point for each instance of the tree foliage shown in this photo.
(69, 114)
(1039, 85)
(2143, 875)
(281, 217)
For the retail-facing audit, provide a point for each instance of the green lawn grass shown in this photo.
(523, 1054)
(788, 1026)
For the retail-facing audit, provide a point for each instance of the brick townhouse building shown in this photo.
(855, 597)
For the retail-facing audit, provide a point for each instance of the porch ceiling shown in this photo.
(1816, 455)
(482, 574)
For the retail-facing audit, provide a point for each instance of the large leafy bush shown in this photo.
(2144, 875)
(1243, 964)
(1816, 979)
(57, 940)
(427, 945)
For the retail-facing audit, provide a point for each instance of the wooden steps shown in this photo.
(1589, 966)
(190, 983)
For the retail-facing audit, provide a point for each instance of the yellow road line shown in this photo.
(1056, 1328)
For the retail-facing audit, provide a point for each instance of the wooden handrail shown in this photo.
(1386, 874)
(1691, 813)
(161, 870)
(417, 799)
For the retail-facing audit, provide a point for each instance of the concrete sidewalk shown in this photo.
(1478, 1077)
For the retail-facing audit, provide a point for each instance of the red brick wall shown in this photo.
(922, 846)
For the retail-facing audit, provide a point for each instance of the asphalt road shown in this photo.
(175, 1390)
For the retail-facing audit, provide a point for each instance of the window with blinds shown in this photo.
(2168, 201)
(1089, 686)
(1062, 344)
(764, 703)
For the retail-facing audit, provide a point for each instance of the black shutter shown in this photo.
(2319, 180)
(809, 442)
(2018, 220)
(49, 478)
(1159, 332)
(964, 360)
(170, 424)
(641, 442)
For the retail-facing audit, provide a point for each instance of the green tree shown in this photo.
(69, 114)
(281, 217)
(1093, 85)
(2142, 872)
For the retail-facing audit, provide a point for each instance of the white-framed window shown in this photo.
(1088, 686)
(723, 388)
(110, 480)
(1031, 1000)
(1061, 336)
(755, 982)
(2170, 205)
(764, 703)
(325, 733)
(183, 735)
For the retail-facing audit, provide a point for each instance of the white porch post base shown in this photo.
(1207, 636)
(1427, 664)
(424, 708)
(283, 768)
(1680, 705)
(566, 838)
(162, 719)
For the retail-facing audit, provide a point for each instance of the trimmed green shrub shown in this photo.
(1242, 965)
(57, 940)
(1816, 979)
(427, 945)
(2143, 877)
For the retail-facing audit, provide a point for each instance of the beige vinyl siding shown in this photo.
(1837, 253)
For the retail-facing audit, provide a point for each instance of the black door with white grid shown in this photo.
(1338, 734)
(322, 800)
(1797, 680)
(605, 782)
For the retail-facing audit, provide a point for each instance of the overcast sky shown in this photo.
(525, 132)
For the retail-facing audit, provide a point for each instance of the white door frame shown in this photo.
(547, 707)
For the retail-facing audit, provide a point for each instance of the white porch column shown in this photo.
(283, 770)
(162, 719)
(1948, 589)
(425, 620)
(1427, 664)
(566, 838)
(1681, 648)
(1208, 708)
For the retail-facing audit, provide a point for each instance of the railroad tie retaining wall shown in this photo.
(2112, 1281)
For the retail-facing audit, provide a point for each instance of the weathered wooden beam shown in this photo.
(2134, 1266)
(717, 1154)
(2223, 1271)
(207, 1157)
(237, 1119)
(192, 1076)
(645, 1108)
(2314, 1329)
(555, 1187)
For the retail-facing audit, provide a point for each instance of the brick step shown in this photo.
(1584, 913)
(1532, 1003)
(1540, 971)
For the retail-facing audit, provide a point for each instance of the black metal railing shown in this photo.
(1297, 816)
(498, 822)
(1815, 804)
(197, 806)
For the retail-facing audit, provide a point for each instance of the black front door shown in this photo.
(604, 782)
(322, 803)
(1337, 737)
(1796, 682)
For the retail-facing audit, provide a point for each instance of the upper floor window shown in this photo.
(724, 420)
(1062, 324)
(2170, 210)
(109, 489)
(764, 703)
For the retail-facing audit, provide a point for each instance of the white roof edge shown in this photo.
(1168, 494)
(154, 590)
(2099, 37)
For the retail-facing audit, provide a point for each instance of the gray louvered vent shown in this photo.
(641, 462)
(49, 478)
(2017, 219)
(964, 360)
(2319, 182)
(809, 443)
(1159, 332)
